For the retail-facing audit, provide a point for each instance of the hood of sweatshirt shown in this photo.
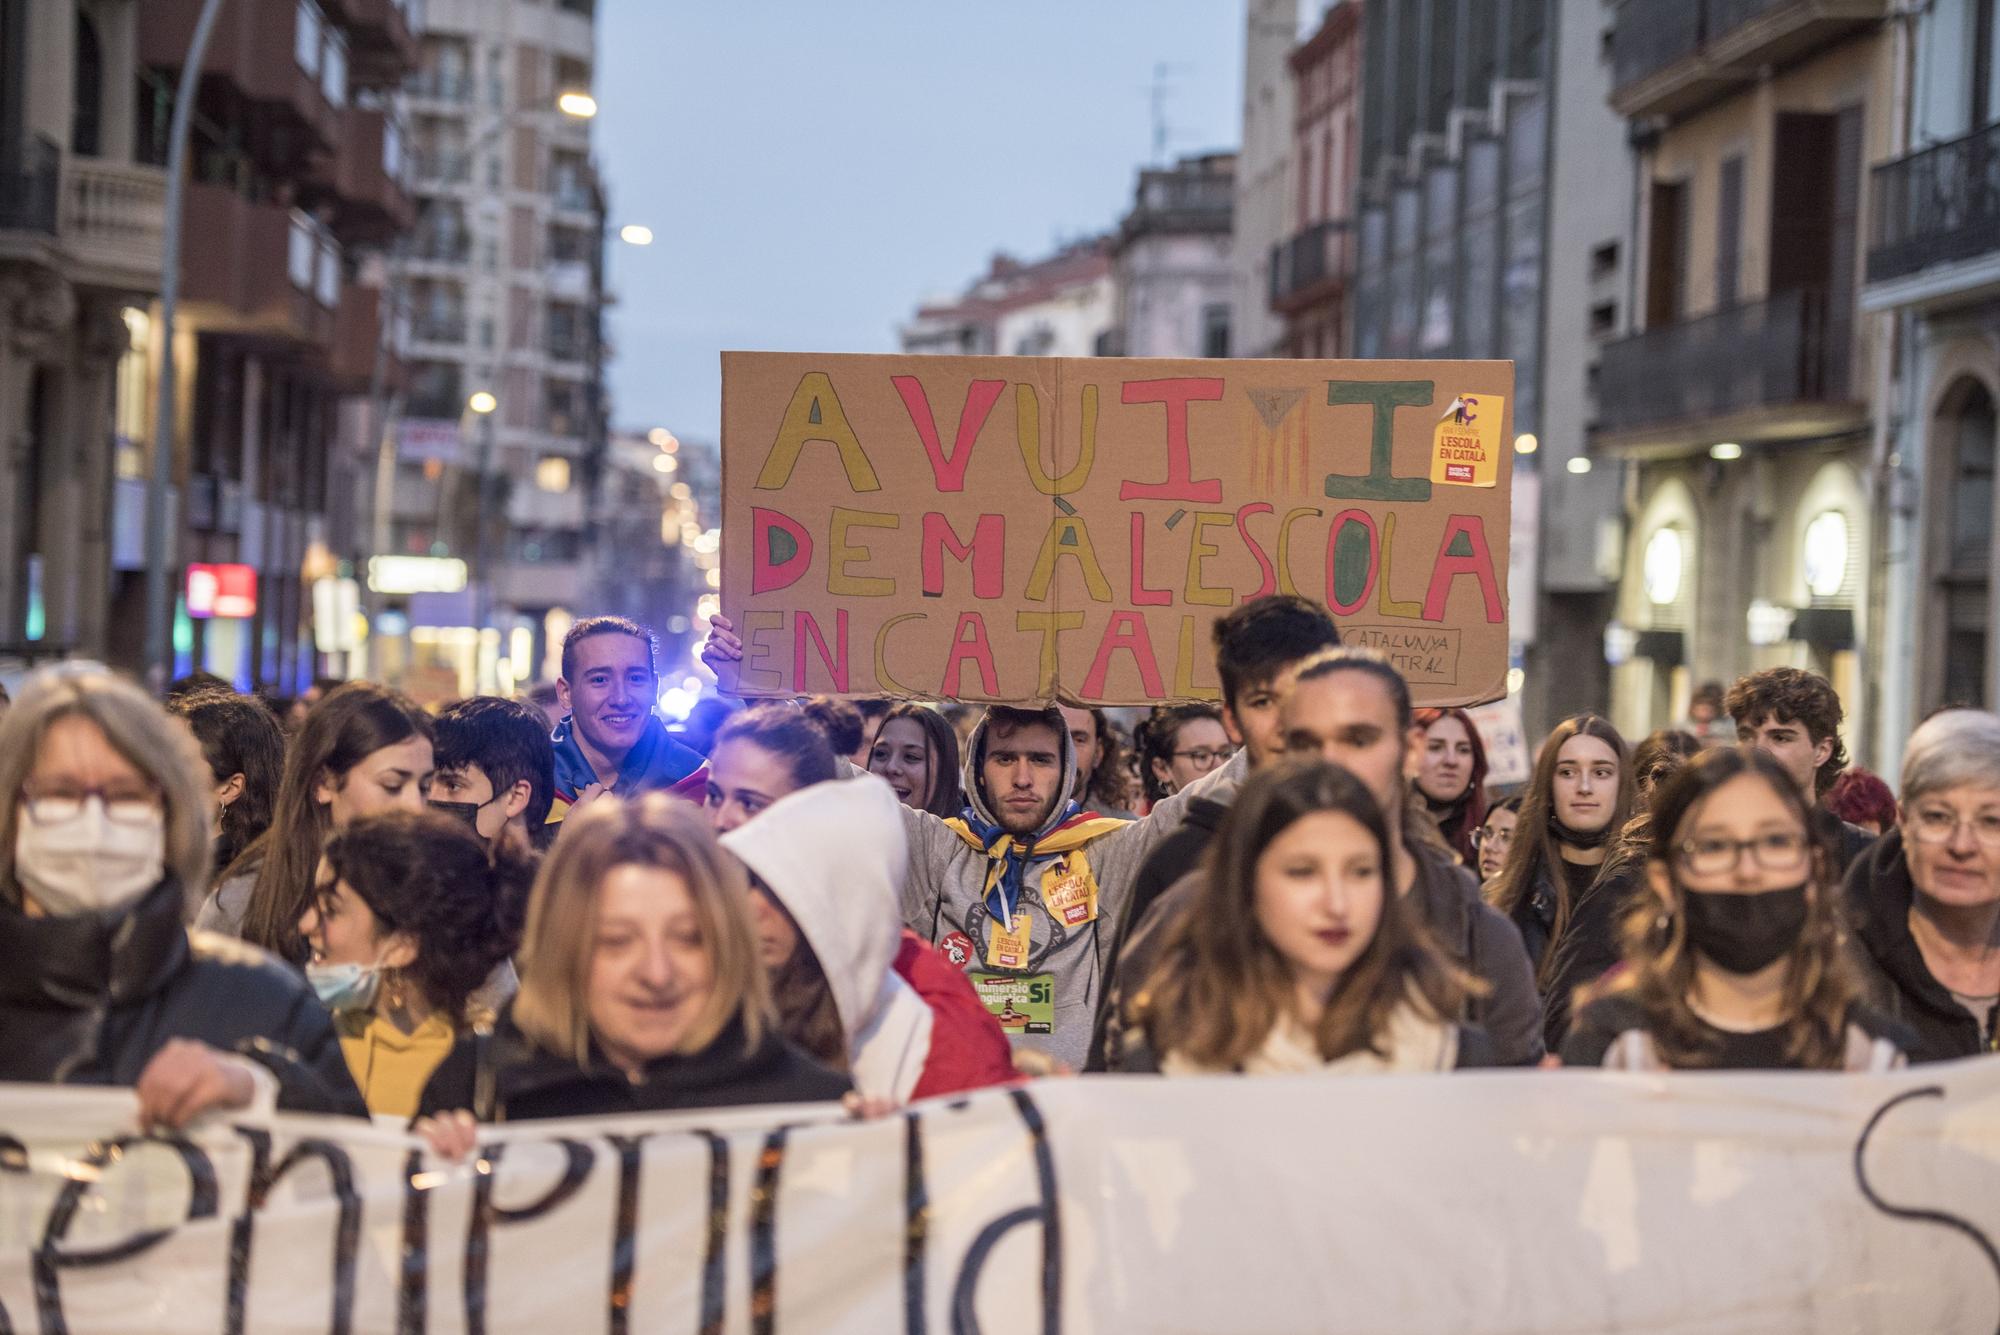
(977, 802)
(835, 855)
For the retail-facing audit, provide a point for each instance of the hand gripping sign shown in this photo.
(1014, 528)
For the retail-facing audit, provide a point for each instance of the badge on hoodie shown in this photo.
(1070, 893)
(1007, 947)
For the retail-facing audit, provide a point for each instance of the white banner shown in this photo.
(1515, 1201)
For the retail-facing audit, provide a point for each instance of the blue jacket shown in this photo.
(656, 763)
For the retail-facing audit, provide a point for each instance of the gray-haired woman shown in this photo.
(1926, 898)
(105, 809)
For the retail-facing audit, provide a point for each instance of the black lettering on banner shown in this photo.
(413, 1288)
(13, 1159)
(624, 1240)
(764, 1232)
(965, 1320)
(347, 1231)
(1913, 1214)
(578, 1159)
(713, 1256)
(916, 1223)
(203, 1197)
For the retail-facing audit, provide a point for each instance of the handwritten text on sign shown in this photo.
(1023, 528)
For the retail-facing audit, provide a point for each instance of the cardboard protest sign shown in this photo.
(1011, 528)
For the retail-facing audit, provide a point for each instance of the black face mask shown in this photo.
(1577, 838)
(465, 811)
(1745, 933)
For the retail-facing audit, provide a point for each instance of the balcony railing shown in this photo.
(1669, 57)
(1650, 35)
(440, 86)
(114, 217)
(1939, 205)
(1318, 257)
(28, 184)
(1790, 349)
(431, 327)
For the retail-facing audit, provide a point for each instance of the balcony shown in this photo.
(357, 332)
(235, 265)
(433, 326)
(369, 205)
(381, 48)
(1672, 57)
(1312, 266)
(1935, 230)
(441, 88)
(30, 177)
(1761, 371)
(113, 223)
(253, 49)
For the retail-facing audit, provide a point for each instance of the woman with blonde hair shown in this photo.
(1300, 955)
(641, 990)
(1735, 959)
(105, 812)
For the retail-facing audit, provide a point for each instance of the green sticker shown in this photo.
(1024, 1003)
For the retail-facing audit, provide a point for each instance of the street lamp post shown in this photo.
(159, 589)
(482, 405)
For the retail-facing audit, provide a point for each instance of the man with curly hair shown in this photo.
(1794, 717)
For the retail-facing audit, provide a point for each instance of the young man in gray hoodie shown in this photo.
(1025, 889)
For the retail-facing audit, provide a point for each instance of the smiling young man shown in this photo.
(610, 740)
(1025, 890)
(1794, 716)
(1351, 708)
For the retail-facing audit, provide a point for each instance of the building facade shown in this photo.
(502, 285)
(1171, 261)
(1059, 306)
(1932, 287)
(81, 230)
(1308, 271)
(1745, 399)
(1264, 211)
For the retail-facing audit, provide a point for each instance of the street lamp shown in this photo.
(578, 104)
(636, 234)
(481, 404)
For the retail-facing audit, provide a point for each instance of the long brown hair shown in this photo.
(1457, 828)
(944, 797)
(1820, 986)
(1220, 985)
(345, 728)
(1535, 848)
(806, 1011)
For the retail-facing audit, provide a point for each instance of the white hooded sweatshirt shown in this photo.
(835, 855)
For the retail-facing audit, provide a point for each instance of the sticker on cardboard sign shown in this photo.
(1465, 450)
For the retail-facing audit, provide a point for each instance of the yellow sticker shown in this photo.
(1007, 947)
(1070, 895)
(1466, 449)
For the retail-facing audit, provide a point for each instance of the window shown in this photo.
(1604, 262)
(328, 285)
(1729, 232)
(302, 253)
(552, 474)
(333, 71)
(1604, 319)
(1964, 581)
(308, 37)
(486, 331)
(1215, 330)
(87, 95)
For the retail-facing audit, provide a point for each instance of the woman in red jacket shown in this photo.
(852, 986)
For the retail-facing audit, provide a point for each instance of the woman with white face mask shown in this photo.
(105, 812)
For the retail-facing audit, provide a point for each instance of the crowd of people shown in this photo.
(447, 919)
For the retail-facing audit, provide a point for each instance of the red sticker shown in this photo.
(957, 948)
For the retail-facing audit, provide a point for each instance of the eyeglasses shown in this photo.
(1781, 850)
(1937, 825)
(1206, 756)
(1485, 838)
(120, 808)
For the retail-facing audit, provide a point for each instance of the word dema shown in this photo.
(1008, 529)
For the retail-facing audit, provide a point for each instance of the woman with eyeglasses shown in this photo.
(1495, 836)
(105, 811)
(1925, 900)
(1736, 956)
(1177, 744)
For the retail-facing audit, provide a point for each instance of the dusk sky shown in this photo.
(812, 171)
